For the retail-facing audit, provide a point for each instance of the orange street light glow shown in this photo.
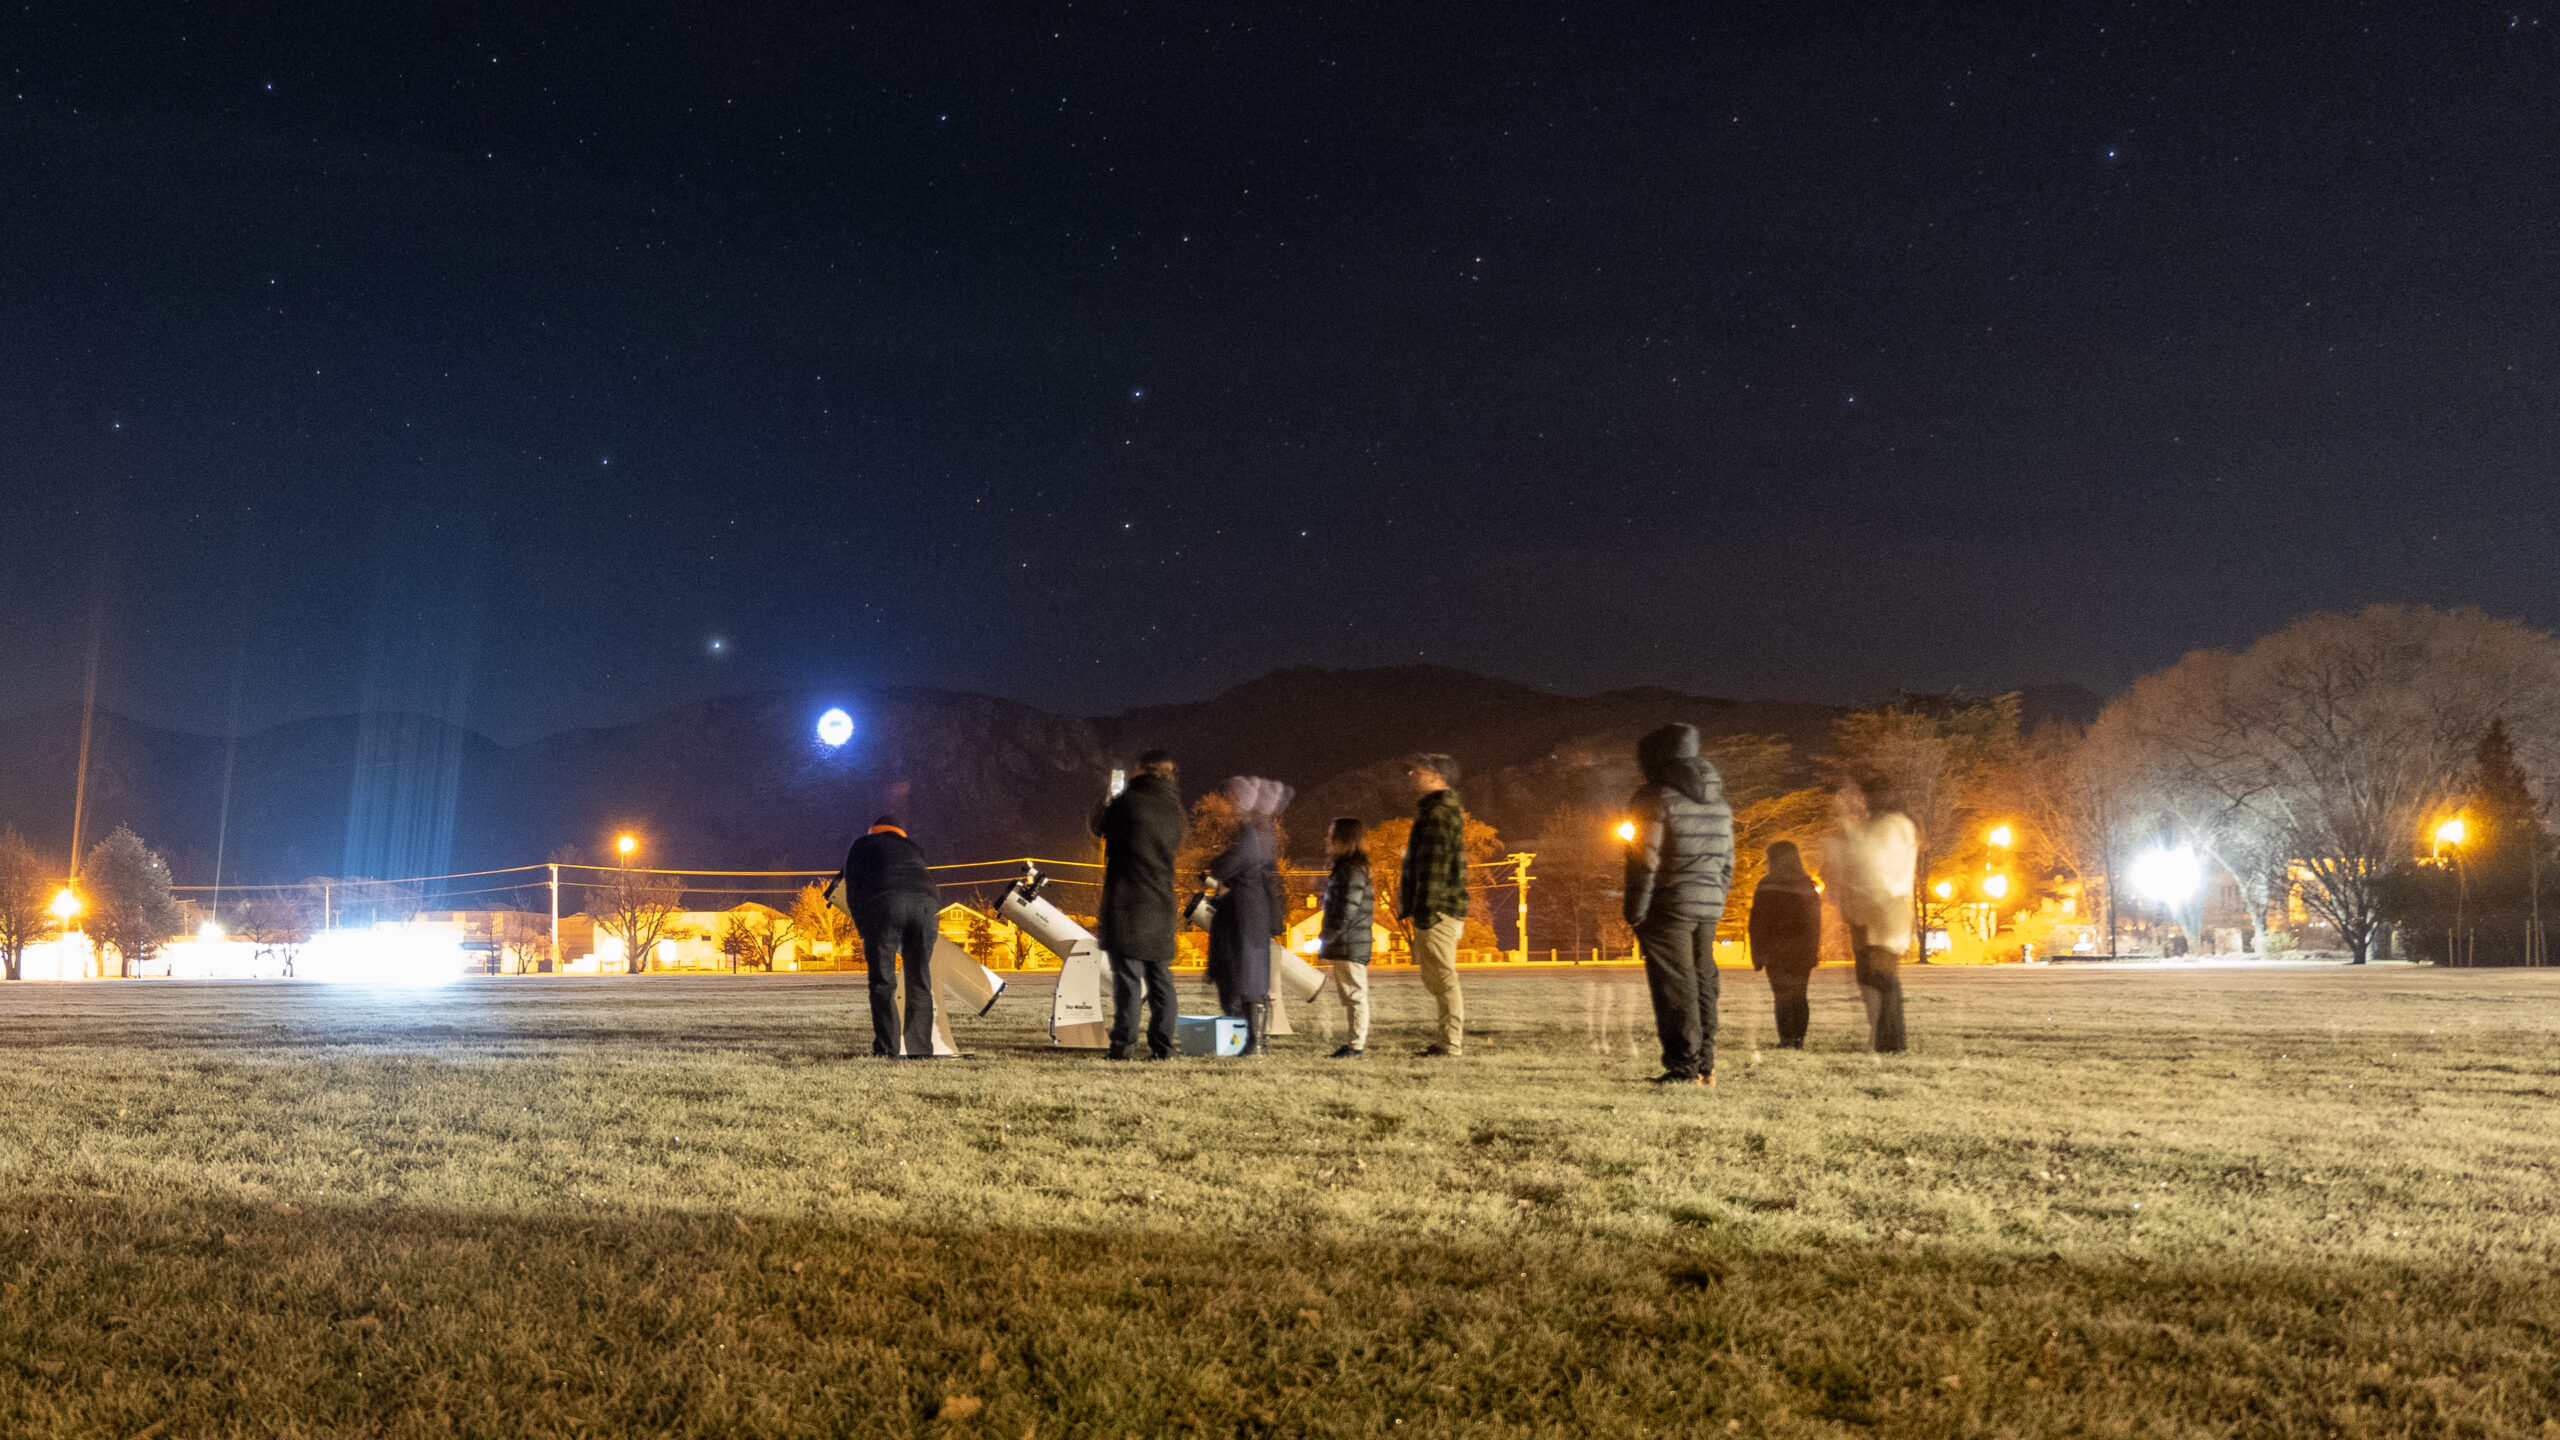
(1944, 888)
(626, 844)
(1995, 885)
(1626, 830)
(2002, 835)
(66, 904)
(2452, 831)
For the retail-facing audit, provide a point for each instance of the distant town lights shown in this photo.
(834, 728)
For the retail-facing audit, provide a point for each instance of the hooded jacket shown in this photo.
(1247, 915)
(1681, 861)
(1786, 919)
(885, 863)
(1141, 830)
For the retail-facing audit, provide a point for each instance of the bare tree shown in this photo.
(2334, 741)
(1942, 760)
(639, 909)
(26, 903)
(277, 922)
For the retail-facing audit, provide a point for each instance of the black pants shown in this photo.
(891, 926)
(1794, 1012)
(1680, 970)
(1127, 975)
(1880, 985)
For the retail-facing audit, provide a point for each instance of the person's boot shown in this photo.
(1257, 1017)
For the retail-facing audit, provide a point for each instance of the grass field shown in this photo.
(2177, 1201)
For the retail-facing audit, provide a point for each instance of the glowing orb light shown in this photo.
(1626, 830)
(2167, 875)
(834, 728)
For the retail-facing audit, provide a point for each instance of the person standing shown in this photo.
(1869, 856)
(1679, 865)
(1786, 937)
(1141, 830)
(1247, 876)
(1431, 892)
(1350, 912)
(894, 905)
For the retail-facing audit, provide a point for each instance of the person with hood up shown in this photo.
(1247, 874)
(1869, 857)
(1431, 892)
(1679, 865)
(1786, 937)
(1141, 829)
(895, 908)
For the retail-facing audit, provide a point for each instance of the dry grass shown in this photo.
(2168, 1202)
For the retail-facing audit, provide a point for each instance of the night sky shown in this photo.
(543, 368)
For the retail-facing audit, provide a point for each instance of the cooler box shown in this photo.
(1210, 1034)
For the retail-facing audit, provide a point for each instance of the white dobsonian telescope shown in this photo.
(1076, 1019)
(1292, 978)
(964, 983)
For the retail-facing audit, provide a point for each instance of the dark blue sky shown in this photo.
(497, 362)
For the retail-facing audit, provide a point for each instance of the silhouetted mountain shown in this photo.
(742, 783)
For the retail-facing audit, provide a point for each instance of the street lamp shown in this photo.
(2001, 837)
(626, 845)
(2453, 832)
(1627, 831)
(65, 905)
(1995, 885)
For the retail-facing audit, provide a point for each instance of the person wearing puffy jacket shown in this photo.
(1350, 914)
(1679, 865)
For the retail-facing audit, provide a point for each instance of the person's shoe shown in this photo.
(1707, 1079)
(1434, 1051)
(1118, 1055)
(1668, 1078)
(1350, 1052)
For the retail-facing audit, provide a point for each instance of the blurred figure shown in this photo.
(894, 905)
(1141, 828)
(1679, 865)
(1350, 910)
(1786, 937)
(1247, 874)
(1431, 892)
(1868, 859)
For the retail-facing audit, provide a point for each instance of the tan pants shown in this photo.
(1352, 979)
(1436, 951)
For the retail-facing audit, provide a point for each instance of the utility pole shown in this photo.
(555, 917)
(1520, 861)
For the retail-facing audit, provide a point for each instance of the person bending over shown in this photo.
(894, 905)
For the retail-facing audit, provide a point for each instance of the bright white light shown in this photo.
(834, 728)
(209, 932)
(388, 954)
(2167, 875)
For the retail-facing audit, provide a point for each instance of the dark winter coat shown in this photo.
(1141, 829)
(1350, 910)
(1434, 880)
(1248, 910)
(1786, 923)
(881, 864)
(1681, 861)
